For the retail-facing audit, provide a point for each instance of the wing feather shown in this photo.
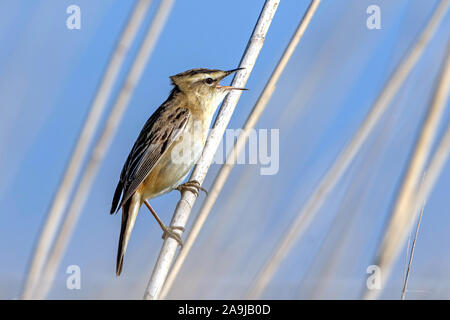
(157, 135)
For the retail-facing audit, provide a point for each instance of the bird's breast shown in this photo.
(176, 162)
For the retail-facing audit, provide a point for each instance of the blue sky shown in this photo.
(49, 75)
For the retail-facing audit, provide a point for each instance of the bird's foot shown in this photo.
(193, 186)
(169, 232)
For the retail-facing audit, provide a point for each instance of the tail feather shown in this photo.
(129, 213)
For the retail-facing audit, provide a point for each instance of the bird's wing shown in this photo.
(157, 135)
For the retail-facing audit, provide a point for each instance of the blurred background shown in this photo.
(48, 78)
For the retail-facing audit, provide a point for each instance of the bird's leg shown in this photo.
(193, 186)
(168, 231)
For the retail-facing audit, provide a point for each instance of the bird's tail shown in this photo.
(129, 213)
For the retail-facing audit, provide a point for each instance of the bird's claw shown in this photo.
(193, 186)
(169, 232)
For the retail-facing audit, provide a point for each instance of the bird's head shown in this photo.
(204, 84)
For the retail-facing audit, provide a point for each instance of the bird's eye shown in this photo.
(209, 81)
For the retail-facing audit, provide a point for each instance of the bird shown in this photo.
(169, 144)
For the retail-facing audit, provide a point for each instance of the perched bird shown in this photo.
(168, 146)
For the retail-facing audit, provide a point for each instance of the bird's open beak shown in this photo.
(230, 87)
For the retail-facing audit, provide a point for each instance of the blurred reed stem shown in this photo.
(404, 212)
(61, 198)
(308, 212)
